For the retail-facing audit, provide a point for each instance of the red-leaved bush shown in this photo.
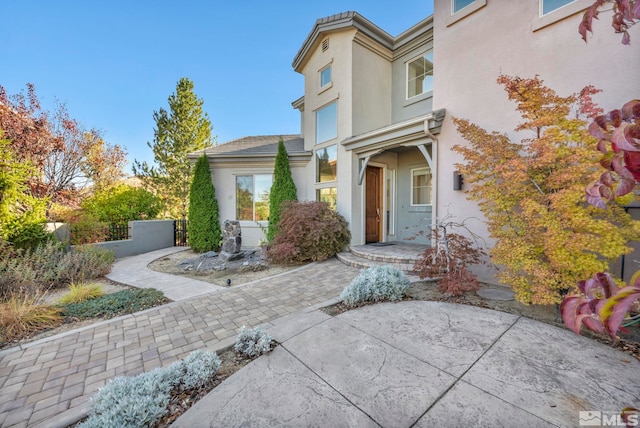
(448, 259)
(308, 231)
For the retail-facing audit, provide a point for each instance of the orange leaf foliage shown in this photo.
(532, 194)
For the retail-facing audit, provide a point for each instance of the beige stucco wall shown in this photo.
(224, 181)
(339, 55)
(371, 108)
(499, 38)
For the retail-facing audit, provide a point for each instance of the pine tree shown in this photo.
(183, 129)
(204, 226)
(283, 189)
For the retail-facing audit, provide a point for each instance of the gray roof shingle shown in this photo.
(258, 145)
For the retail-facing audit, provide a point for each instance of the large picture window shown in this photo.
(326, 164)
(421, 186)
(547, 6)
(327, 123)
(420, 75)
(328, 195)
(252, 197)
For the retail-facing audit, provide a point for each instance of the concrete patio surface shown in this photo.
(421, 364)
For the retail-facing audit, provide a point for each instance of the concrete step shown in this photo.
(354, 260)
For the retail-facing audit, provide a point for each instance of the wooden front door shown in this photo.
(373, 205)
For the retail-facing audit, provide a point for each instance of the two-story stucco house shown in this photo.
(376, 130)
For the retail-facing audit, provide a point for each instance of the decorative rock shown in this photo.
(210, 254)
(231, 236)
(227, 257)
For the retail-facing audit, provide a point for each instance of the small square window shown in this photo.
(420, 75)
(460, 4)
(420, 187)
(548, 6)
(325, 76)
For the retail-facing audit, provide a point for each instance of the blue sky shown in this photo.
(114, 63)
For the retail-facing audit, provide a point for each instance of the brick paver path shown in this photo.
(49, 383)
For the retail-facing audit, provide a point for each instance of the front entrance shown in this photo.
(373, 205)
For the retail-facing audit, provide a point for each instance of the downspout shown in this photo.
(433, 164)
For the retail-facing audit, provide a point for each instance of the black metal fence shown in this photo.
(117, 232)
(180, 233)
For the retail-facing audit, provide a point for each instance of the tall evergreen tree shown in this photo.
(204, 226)
(283, 189)
(183, 129)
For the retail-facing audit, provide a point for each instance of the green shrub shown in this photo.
(253, 342)
(204, 227)
(81, 293)
(87, 229)
(283, 189)
(375, 284)
(48, 266)
(308, 231)
(112, 305)
(121, 204)
(142, 400)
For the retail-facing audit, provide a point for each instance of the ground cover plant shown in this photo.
(112, 305)
(375, 284)
(253, 342)
(308, 231)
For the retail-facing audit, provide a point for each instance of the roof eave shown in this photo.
(341, 21)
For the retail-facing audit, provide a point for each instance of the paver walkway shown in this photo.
(48, 383)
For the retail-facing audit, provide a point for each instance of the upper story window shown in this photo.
(325, 76)
(420, 75)
(421, 186)
(327, 164)
(252, 196)
(547, 6)
(327, 123)
(460, 4)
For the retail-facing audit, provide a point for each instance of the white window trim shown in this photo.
(235, 194)
(328, 66)
(559, 14)
(464, 12)
(411, 186)
(409, 100)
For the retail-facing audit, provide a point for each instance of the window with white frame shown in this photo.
(327, 123)
(325, 76)
(252, 196)
(326, 164)
(328, 195)
(421, 186)
(547, 6)
(420, 75)
(456, 5)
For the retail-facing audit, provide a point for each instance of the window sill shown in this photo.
(466, 11)
(417, 98)
(560, 14)
(325, 87)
